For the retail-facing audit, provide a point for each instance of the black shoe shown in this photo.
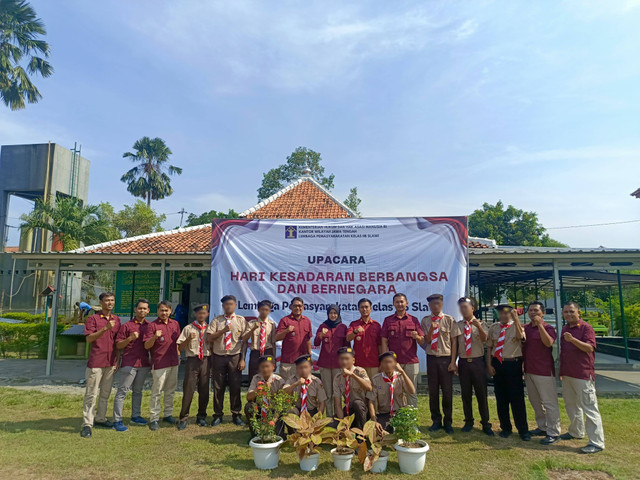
(201, 422)
(216, 421)
(86, 432)
(549, 439)
(154, 426)
(591, 449)
(525, 437)
(435, 427)
(567, 436)
(182, 425)
(487, 431)
(505, 434)
(467, 427)
(238, 421)
(538, 433)
(170, 420)
(448, 429)
(105, 424)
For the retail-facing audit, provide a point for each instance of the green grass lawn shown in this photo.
(39, 438)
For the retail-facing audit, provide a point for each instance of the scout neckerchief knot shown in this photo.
(227, 337)
(499, 353)
(436, 332)
(263, 337)
(467, 338)
(304, 391)
(202, 329)
(391, 388)
(347, 392)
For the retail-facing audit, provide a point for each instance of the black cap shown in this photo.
(348, 350)
(435, 296)
(465, 300)
(267, 358)
(387, 354)
(504, 306)
(202, 306)
(303, 358)
(226, 298)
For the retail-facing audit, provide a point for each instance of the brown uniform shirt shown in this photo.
(381, 394)
(276, 382)
(193, 344)
(447, 329)
(315, 392)
(238, 328)
(512, 345)
(355, 389)
(477, 345)
(255, 336)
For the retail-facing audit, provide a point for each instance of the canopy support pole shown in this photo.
(53, 324)
(624, 320)
(557, 299)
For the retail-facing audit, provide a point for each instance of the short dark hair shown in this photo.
(165, 303)
(400, 295)
(142, 300)
(265, 303)
(538, 303)
(226, 298)
(104, 295)
(297, 299)
(572, 304)
(364, 300)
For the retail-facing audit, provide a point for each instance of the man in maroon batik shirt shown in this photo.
(100, 331)
(401, 334)
(160, 338)
(295, 332)
(365, 335)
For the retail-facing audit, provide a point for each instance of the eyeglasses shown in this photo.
(296, 305)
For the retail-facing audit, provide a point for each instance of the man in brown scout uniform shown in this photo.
(308, 387)
(441, 347)
(265, 376)
(352, 384)
(388, 390)
(472, 335)
(225, 335)
(198, 368)
(261, 333)
(504, 362)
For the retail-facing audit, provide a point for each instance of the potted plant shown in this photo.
(346, 441)
(374, 458)
(411, 450)
(268, 410)
(310, 432)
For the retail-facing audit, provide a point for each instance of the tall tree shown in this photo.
(149, 179)
(22, 53)
(137, 219)
(70, 221)
(353, 201)
(206, 217)
(510, 226)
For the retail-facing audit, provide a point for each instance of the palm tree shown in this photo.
(70, 222)
(20, 48)
(148, 179)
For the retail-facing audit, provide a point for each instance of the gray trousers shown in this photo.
(131, 378)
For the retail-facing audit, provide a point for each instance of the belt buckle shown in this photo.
(469, 359)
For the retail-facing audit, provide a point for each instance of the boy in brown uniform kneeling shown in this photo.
(265, 376)
(352, 384)
(308, 387)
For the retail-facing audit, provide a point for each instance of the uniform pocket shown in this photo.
(589, 395)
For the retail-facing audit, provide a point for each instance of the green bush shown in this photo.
(28, 317)
(25, 339)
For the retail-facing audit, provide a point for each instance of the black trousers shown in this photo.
(384, 419)
(473, 378)
(254, 356)
(439, 378)
(224, 372)
(357, 408)
(196, 377)
(509, 390)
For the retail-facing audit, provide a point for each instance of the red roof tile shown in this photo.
(185, 240)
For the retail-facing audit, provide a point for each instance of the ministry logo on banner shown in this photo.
(291, 231)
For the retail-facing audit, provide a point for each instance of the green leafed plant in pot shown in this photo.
(411, 450)
(310, 433)
(371, 453)
(346, 441)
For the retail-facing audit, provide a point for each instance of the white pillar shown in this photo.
(53, 324)
(557, 303)
(163, 271)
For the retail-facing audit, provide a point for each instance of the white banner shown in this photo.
(339, 261)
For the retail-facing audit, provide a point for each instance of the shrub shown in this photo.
(405, 426)
(25, 338)
(28, 317)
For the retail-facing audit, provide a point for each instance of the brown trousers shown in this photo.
(196, 377)
(254, 356)
(473, 378)
(224, 372)
(439, 378)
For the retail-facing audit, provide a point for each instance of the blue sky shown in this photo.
(430, 108)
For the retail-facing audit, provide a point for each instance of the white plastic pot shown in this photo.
(310, 463)
(380, 465)
(411, 460)
(265, 455)
(342, 462)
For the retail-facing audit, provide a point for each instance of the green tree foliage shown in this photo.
(138, 219)
(70, 221)
(22, 53)
(353, 201)
(149, 179)
(206, 217)
(510, 226)
(631, 296)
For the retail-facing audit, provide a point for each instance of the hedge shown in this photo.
(25, 339)
(28, 317)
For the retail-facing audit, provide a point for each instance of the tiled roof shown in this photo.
(304, 198)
